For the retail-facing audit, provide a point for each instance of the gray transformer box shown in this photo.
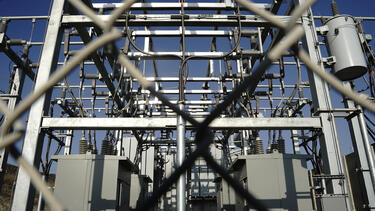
(138, 190)
(279, 181)
(345, 45)
(93, 182)
(226, 196)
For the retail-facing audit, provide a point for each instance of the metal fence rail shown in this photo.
(13, 129)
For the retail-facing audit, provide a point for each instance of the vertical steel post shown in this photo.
(181, 205)
(365, 157)
(40, 199)
(68, 142)
(295, 140)
(370, 157)
(33, 142)
(181, 182)
(329, 144)
(16, 91)
(120, 143)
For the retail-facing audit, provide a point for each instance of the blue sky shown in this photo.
(351, 7)
(40, 7)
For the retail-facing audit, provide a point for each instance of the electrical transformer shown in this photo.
(344, 44)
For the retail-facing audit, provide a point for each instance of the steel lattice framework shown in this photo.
(187, 77)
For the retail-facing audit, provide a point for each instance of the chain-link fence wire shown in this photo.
(204, 135)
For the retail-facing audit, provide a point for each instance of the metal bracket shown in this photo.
(323, 30)
(353, 114)
(329, 61)
(365, 38)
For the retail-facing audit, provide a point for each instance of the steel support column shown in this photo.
(329, 143)
(181, 183)
(367, 148)
(359, 139)
(33, 142)
(16, 90)
(68, 142)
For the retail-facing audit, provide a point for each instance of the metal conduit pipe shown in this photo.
(367, 146)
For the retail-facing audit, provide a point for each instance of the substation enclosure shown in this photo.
(187, 105)
(94, 182)
(226, 195)
(279, 180)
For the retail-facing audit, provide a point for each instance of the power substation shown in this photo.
(188, 105)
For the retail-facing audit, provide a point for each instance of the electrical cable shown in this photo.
(371, 133)
(282, 73)
(370, 130)
(184, 61)
(117, 88)
(272, 55)
(55, 78)
(83, 110)
(182, 80)
(128, 33)
(369, 120)
(244, 108)
(336, 83)
(370, 64)
(367, 84)
(371, 81)
(227, 53)
(329, 78)
(7, 140)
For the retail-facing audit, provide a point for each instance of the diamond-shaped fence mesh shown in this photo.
(204, 136)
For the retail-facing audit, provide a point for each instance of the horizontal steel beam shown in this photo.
(175, 20)
(318, 17)
(174, 33)
(163, 123)
(175, 6)
(186, 91)
(191, 33)
(194, 55)
(172, 79)
(24, 17)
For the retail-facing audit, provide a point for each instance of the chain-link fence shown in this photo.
(13, 129)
